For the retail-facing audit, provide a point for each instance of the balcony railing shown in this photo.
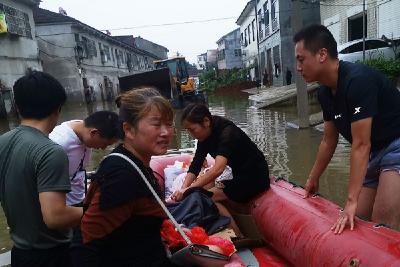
(274, 25)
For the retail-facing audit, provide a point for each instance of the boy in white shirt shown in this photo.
(78, 137)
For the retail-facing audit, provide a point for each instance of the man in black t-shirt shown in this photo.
(364, 107)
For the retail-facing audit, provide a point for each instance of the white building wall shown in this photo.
(389, 19)
(333, 24)
(249, 51)
(18, 53)
(270, 38)
(58, 54)
(345, 9)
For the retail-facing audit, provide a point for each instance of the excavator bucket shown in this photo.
(159, 78)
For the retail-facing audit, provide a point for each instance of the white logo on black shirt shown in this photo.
(338, 116)
(357, 110)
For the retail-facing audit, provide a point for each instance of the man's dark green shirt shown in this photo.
(30, 163)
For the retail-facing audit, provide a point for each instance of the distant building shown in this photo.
(86, 61)
(201, 61)
(229, 51)
(345, 19)
(156, 49)
(275, 33)
(146, 45)
(18, 46)
(208, 60)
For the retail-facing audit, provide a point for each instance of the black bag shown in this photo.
(197, 209)
(193, 254)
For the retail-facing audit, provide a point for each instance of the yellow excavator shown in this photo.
(171, 78)
(178, 69)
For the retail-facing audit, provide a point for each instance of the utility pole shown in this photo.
(302, 96)
(258, 46)
(363, 22)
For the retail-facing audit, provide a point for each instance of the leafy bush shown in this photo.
(212, 79)
(390, 67)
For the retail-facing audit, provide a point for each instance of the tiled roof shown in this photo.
(247, 9)
(29, 2)
(43, 16)
(127, 39)
(226, 35)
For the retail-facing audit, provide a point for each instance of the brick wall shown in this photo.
(347, 9)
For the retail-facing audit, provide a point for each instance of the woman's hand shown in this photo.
(178, 195)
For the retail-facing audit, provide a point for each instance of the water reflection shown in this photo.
(290, 152)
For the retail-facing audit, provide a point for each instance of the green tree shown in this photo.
(213, 78)
(390, 67)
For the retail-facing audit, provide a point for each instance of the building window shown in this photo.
(273, 14)
(355, 27)
(117, 57)
(266, 18)
(121, 56)
(238, 52)
(249, 32)
(89, 47)
(17, 21)
(260, 28)
(274, 17)
(221, 54)
(106, 50)
(252, 29)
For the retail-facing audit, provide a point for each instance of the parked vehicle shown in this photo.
(374, 48)
(297, 231)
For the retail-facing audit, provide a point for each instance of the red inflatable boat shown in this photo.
(297, 231)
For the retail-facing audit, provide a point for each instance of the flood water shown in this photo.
(290, 152)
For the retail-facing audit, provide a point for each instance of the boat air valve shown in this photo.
(354, 263)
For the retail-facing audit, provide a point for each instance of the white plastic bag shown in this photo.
(178, 182)
(170, 173)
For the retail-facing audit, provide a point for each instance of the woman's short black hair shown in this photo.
(106, 122)
(37, 95)
(316, 37)
(195, 113)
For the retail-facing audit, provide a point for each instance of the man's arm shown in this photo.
(360, 150)
(325, 152)
(56, 214)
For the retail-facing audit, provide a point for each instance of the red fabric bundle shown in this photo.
(198, 236)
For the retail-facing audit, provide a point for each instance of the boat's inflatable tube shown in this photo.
(299, 229)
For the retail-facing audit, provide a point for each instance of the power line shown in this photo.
(169, 24)
(321, 3)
